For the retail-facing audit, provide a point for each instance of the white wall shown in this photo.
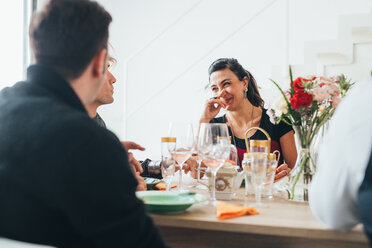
(11, 42)
(164, 48)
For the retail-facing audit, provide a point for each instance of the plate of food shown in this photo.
(151, 182)
(168, 201)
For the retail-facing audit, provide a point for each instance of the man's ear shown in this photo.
(99, 63)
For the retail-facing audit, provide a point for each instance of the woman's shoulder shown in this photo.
(265, 121)
(221, 119)
(275, 130)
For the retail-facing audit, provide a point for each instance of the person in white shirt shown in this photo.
(343, 159)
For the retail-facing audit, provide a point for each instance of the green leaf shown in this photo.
(280, 89)
(345, 85)
(285, 120)
(291, 78)
(314, 106)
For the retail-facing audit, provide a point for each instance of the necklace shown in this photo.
(231, 128)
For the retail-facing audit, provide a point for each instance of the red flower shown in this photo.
(301, 99)
(298, 85)
(321, 84)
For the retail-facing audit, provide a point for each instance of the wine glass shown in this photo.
(184, 135)
(214, 149)
(198, 159)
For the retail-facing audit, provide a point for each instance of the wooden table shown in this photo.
(280, 224)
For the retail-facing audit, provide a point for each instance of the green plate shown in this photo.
(151, 182)
(168, 202)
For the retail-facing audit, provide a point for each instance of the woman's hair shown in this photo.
(252, 94)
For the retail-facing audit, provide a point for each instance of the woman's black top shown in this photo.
(275, 132)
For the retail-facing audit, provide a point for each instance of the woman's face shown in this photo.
(226, 86)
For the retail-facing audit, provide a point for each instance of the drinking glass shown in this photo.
(258, 170)
(167, 171)
(184, 135)
(214, 149)
(198, 159)
(267, 190)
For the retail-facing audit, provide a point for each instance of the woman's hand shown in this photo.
(281, 172)
(211, 109)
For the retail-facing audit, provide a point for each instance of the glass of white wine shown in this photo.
(183, 132)
(214, 149)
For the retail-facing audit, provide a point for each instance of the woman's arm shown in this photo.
(288, 147)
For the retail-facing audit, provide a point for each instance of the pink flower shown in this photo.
(336, 101)
(332, 89)
(320, 94)
(336, 79)
(325, 80)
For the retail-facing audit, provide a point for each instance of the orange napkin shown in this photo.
(227, 210)
(231, 162)
(162, 186)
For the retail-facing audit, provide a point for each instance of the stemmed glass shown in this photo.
(198, 159)
(214, 149)
(184, 135)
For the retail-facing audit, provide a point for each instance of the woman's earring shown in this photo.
(246, 90)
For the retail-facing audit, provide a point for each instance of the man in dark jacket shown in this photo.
(64, 181)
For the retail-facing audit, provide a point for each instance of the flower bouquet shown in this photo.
(308, 104)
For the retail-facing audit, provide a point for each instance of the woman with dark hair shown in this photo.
(235, 90)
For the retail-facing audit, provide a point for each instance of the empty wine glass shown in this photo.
(198, 159)
(184, 135)
(214, 149)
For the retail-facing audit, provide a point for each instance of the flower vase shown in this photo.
(304, 169)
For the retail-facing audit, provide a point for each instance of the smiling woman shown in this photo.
(15, 55)
(235, 90)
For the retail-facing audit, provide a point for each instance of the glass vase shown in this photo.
(304, 169)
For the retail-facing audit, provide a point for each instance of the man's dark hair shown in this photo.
(67, 34)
